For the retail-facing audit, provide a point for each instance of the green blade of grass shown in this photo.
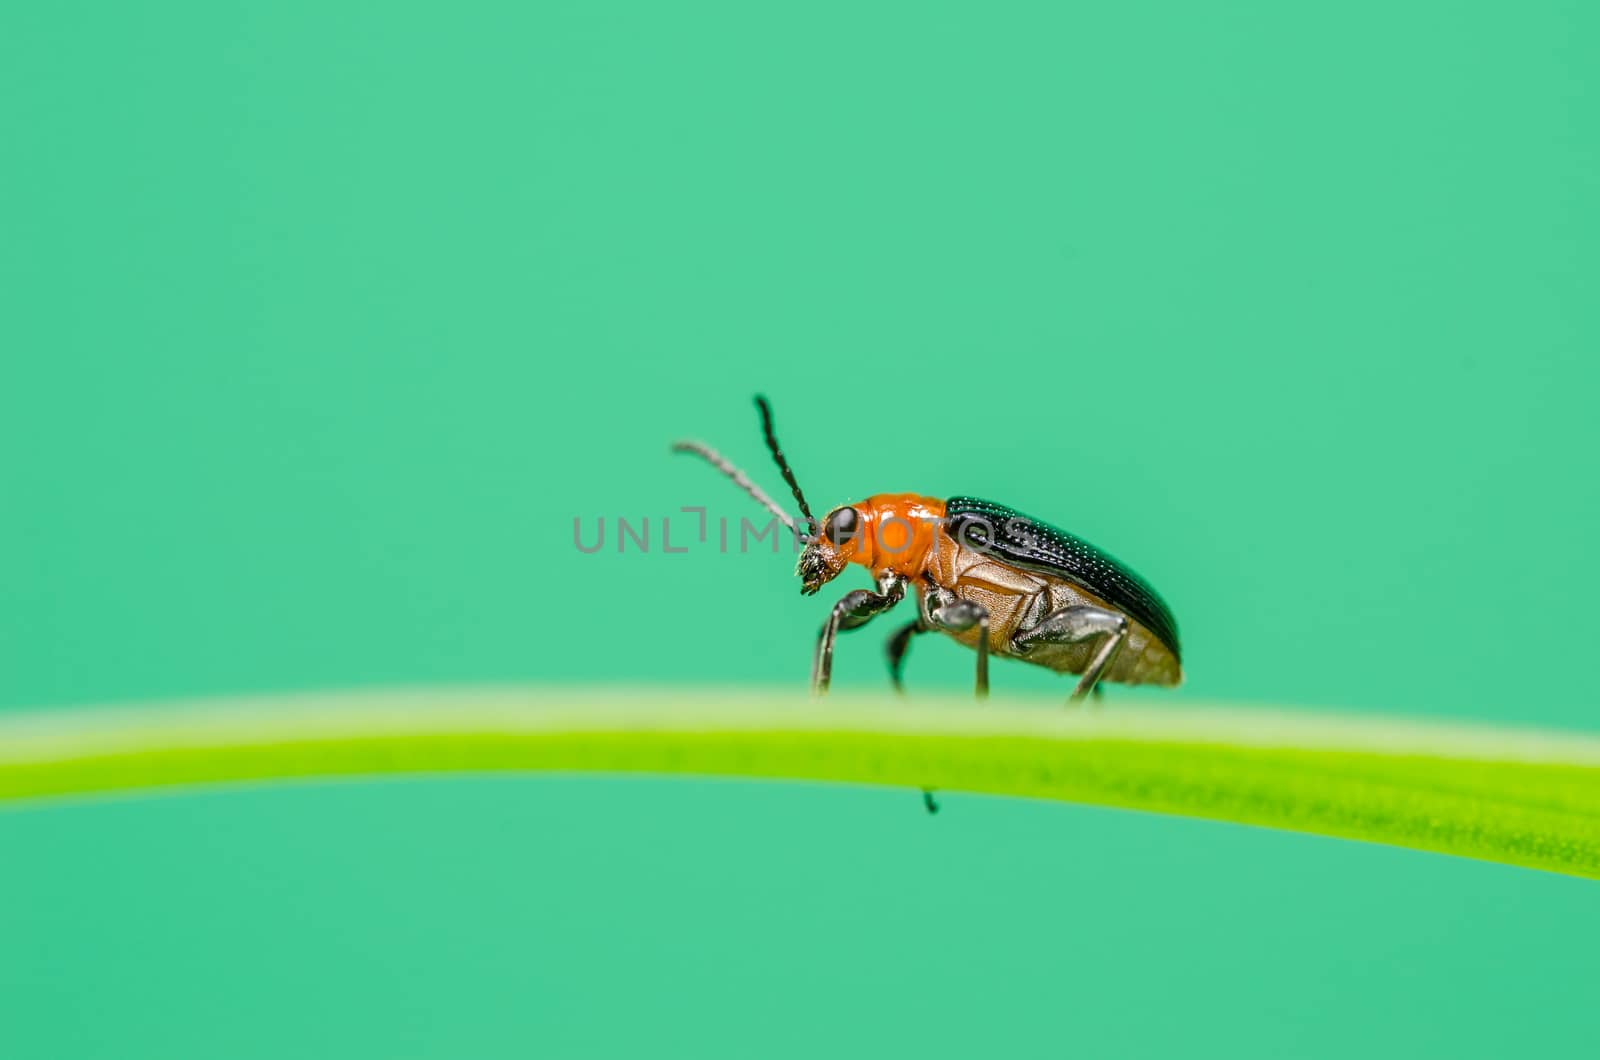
(1515, 796)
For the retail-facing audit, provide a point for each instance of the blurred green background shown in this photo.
(323, 323)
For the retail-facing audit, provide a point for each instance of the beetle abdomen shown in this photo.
(1017, 603)
(1144, 660)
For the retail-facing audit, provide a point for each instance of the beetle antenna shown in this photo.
(783, 465)
(740, 479)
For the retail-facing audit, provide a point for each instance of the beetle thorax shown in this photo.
(898, 532)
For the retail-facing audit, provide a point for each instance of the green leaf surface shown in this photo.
(1521, 797)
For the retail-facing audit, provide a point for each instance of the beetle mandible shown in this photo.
(996, 580)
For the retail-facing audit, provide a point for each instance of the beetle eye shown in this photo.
(843, 525)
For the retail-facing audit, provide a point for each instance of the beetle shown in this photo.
(996, 580)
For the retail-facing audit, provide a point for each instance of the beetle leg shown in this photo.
(897, 660)
(950, 612)
(943, 609)
(1071, 625)
(897, 647)
(856, 609)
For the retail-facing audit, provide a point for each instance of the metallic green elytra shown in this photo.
(1034, 544)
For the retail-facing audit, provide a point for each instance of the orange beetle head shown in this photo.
(839, 543)
(886, 532)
